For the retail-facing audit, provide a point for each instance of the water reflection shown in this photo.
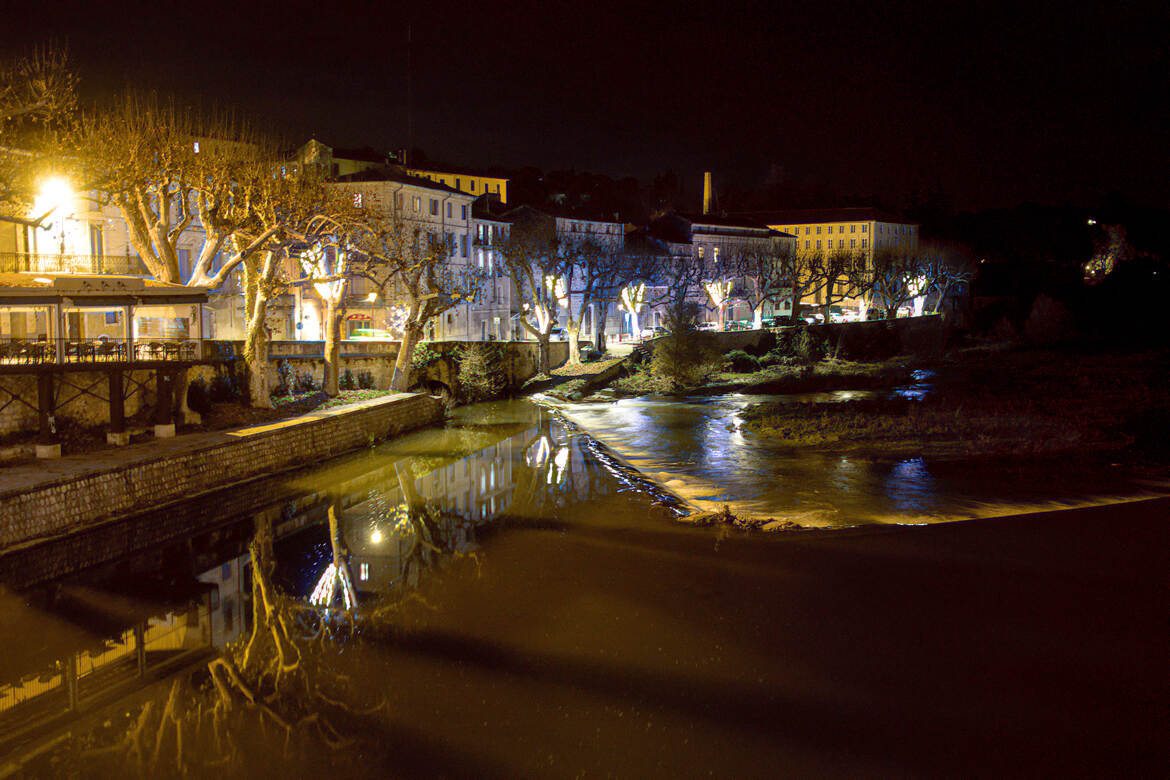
(697, 447)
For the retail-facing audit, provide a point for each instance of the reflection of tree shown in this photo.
(281, 678)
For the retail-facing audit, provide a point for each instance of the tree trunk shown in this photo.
(256, 353)
(574, 335)
(333, 316)
(545, 358)
(411, 335)
(758, 316)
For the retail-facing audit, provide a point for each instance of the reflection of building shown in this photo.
(462, 495)
(227, 603)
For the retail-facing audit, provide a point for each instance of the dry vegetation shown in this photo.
(986, 403)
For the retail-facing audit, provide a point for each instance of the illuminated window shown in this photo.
(398, 200)
(829, 229)
(357, 200)
(196, 147)
(364, 572)
(417, 204)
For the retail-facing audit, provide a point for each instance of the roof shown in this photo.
(586, 213)
(483, 209)
(459, 169)
(723, 220)
(797, 216)
(93, 289)
(365, 154)
(392, 175)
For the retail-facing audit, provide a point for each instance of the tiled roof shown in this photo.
(813, 216)
(390, 174)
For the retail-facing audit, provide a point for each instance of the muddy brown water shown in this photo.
(581, 633)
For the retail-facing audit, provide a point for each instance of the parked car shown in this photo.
(653, 332)
(708, 326)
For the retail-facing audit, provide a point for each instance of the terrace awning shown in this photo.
(28, 288)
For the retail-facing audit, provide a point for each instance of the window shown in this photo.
(457, 183)
(448, 210)
(398, 200)
(184, 263)
(853, 228)
(806, 229)
(417, 204)
(434, 207)
(853, 243)
(865, 228)
(818, 244)
(463, 245)
(829, 229)
(841, 244)
(464, 212)
(818, 230)
(700, 253)
(472, 185)
(864, 241)
(357, 200)
(364, 572)
(806, 244)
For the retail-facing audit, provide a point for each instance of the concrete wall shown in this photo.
(147, 477)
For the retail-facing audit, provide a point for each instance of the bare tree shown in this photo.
(415, 270)
(898, 277)
(174, 177)
(764, 274)
(838, 276)
(533, 261)
(592, 269)
(38, 100)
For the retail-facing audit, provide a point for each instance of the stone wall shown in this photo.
(148, 478)
(84, 394)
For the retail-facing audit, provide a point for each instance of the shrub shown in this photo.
(477, 379)
(1048, 322)
(801, 343)
(198, 395)
(284, 378)
(686, 356)
(303, 382)
(347, 382)
(423, 356)
(365, 380)
(741, 362)
(224, 389)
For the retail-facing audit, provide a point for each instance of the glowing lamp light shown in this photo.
(376, 537)
(55, 193)
(372, 297)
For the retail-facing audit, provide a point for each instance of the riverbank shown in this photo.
(49, 498)
(981, 403)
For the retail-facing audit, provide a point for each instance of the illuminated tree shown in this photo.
(766, 276)
(538, 269)
(837, 276)
(38, 99)
(414, 269)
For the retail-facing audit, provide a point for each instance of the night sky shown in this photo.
(991, 103)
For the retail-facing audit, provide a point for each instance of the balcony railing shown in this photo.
(25, 351)
(18, 262)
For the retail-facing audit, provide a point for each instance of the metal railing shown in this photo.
(20, 262)
(24, 351)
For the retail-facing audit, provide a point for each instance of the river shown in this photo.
(562, 626)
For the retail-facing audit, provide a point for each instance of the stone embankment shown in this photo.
(47, 499)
